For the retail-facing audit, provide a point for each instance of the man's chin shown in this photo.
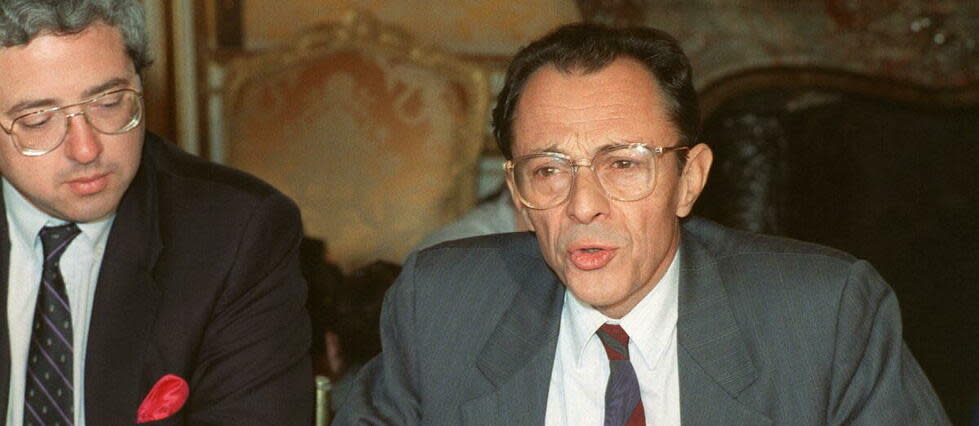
(591, 289)
(90, 211)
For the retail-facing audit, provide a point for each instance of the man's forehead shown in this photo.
(55, 69)
(571, 111)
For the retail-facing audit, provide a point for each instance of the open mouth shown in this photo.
(591, 258)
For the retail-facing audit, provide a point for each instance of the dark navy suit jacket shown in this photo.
(200, 279)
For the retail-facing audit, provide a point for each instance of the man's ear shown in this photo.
(522, 218)
(694, 177)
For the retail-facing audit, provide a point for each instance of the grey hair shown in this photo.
(23, 20)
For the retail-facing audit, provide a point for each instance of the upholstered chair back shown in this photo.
(375, 137)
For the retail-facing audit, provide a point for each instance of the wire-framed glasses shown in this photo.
(112, 113)
(625, 172)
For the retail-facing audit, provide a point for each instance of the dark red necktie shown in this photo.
(623, 404)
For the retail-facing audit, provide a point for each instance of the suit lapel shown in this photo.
(713, 357)
(519, 355)
(125, 306)
(714, 361)
(4, 337)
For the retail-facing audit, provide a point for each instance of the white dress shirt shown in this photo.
(80, 265)
(578, 379)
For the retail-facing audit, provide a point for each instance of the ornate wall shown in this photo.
(930, 43)
(474, 27)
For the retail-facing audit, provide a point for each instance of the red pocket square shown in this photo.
(167, 396)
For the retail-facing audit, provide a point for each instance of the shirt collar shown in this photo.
(26, 220)
(650, 324)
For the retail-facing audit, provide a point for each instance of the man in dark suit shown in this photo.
(615, 311)
(141, 284)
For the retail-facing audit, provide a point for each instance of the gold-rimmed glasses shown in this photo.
(112, 113)
(625, 172)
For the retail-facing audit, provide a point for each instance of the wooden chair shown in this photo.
(376, 137)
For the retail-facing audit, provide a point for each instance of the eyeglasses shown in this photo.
(40, 132)
(625, 172)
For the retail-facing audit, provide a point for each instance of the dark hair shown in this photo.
(588, 48)
(23, 20)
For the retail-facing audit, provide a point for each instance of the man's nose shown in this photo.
(587, 201)
(82, 143)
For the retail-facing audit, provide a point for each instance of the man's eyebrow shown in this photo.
(557, 150)
(551, 148)
(111, 84)
(608, 146)
(29, 105)
(49, 102)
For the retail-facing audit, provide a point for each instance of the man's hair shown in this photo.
(586, 48)
(23, 20)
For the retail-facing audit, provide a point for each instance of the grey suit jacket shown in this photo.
(770, 331)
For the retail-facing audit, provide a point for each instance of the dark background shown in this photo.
(890, 181)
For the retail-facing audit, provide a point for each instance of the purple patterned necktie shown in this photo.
(48, 391)
(623, 403)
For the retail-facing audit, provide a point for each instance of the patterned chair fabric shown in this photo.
(375, 137)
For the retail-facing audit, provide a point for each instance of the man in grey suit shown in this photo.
(666, 320)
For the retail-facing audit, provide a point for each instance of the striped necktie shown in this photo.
(49, 391)
(623, 404)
